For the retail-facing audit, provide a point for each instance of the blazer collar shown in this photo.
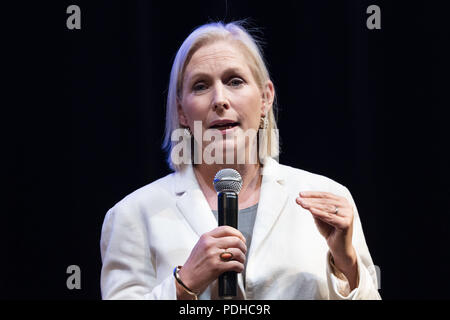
(192, 202)
(185, 179)
(193, 205)
(195, 208)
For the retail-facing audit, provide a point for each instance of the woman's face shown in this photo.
(220, 91)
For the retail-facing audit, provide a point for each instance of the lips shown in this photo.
(223, 124)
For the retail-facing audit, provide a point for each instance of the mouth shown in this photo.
(224, 125)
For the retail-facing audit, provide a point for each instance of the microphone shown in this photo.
(228, 183)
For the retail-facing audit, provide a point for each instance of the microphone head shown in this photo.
(228, 180)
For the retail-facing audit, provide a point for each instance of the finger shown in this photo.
(325, 208)
(224, 231)
(232, 265)
(318, 194)
(308, 205)
(322, 201)
(343, 207)
(330, 218)
(238, 255)
(231, 242)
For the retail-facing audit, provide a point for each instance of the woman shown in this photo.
(304, 239)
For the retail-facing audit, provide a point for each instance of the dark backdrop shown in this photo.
(84, 118)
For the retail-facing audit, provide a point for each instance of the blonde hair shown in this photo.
(206, 34)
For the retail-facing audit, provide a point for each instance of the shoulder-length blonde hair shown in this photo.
(203, 35)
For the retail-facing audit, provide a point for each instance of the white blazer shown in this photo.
(154, 229)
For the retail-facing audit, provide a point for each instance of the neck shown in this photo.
(251, 182)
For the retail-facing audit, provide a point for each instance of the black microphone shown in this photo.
(228, 183)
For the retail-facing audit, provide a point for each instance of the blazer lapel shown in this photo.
(192, 203)
(272, 200)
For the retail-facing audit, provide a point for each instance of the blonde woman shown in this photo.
(299, 237)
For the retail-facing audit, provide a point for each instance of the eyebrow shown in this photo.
(226, 72)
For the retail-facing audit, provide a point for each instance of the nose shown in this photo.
(219, 99)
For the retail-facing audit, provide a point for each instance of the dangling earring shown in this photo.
(187, 132)
(263, 122)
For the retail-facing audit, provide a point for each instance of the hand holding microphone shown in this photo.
(208, 259)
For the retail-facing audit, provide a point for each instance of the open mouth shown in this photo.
(224, 126)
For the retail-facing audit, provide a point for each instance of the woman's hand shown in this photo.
(334, 219)
(204, 264)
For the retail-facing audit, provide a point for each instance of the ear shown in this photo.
(181, 116)
(268, 95)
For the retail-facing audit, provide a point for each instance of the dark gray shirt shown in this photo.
(246, 221)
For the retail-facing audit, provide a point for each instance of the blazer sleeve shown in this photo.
(338, 285)
(128, 269)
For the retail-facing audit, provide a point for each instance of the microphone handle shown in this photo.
(228, 216)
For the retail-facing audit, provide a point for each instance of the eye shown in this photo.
(199, 86)
(236, 82)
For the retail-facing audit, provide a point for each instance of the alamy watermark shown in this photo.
(374, 20)
(212, 146)
(74, 280)
(74, 20)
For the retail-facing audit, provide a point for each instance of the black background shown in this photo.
(83, 115)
